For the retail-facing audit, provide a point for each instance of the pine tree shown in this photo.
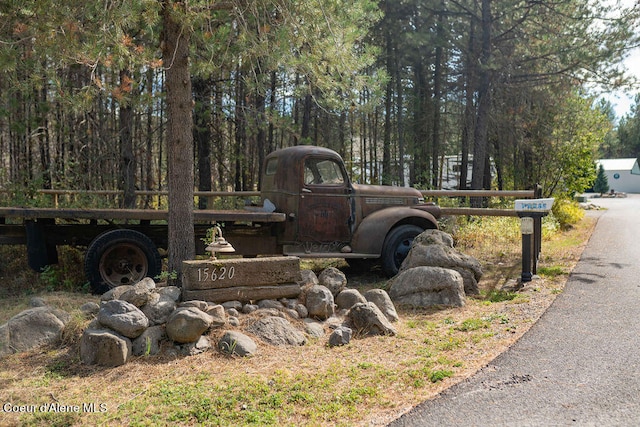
(601, 184)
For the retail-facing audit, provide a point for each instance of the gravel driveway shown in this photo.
(580, 364)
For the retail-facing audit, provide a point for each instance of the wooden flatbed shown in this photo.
(138, 214)
(122, 244)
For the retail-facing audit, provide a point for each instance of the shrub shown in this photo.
(567, 212)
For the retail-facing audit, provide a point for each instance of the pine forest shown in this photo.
(121, 95)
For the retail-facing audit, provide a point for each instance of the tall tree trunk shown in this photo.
(202, 136)
(388, 111)
(437, 95)
(305, 133)
(240, 134)
(127, 158)
(175, 55)
(484, 104)
(469, 111)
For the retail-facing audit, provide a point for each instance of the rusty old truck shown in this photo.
(308, 208)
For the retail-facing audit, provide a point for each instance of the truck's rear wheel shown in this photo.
(396, 247)
(120, 257)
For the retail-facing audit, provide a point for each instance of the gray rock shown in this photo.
(269, 312)
(319, 302)
(381, 299)
(434, 248)
(308, 277)
(367, 319)
(238, 344)
(348, 298)
(159, 307)
(269, 303)
(469, 281)
(291, 313)
(139, 293)
(172, 292)
(148, 343)
(340, 336)
(302, 310)
(313, 328)
(115, 293)
(37, 302)
(333, 279)
(90, 309)
(434, 237)
(105, 348)
(123, 317)
(232, 304)
(233, 312)
(201, 305)
(32, 328)
(5, 341)
(191, 349)
(249, 308)
(233, 321)
(277, 331)
(428, 286)
(218, 315)
(187, 324)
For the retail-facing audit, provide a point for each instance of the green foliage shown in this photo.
(570, 152)
(472, 325)
(567, 212)
(552, 271)
(602, 183)
(500, 296)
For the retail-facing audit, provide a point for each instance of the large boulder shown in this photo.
(428, 286)
(319, 302)
(434, 248)
(187, 324)
(367, 319)
(123, 317)
(104, 347)
(32, 328)
(277, 331)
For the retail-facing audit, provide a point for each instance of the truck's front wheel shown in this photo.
(396, 247)
(120, 257)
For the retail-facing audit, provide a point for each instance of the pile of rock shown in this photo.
(144, 318)
(435, 273)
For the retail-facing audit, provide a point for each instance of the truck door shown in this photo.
(325, 213)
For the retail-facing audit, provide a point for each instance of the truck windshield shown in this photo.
(317, 171)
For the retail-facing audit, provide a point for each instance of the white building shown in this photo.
(623, 175)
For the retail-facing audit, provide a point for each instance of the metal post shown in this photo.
(526, 228)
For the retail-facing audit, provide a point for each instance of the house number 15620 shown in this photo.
(217, 273)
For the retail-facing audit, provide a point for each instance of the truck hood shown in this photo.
(386, 191)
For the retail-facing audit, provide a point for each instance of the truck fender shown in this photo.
(369, 237)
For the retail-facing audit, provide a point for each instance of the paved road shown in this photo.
(579, 365)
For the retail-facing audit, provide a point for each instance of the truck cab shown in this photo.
(328, 216)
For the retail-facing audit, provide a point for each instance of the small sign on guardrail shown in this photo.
(534, 205)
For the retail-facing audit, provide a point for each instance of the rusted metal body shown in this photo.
(327, 215)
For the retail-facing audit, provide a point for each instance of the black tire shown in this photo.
(120, 257)
(396, 247)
